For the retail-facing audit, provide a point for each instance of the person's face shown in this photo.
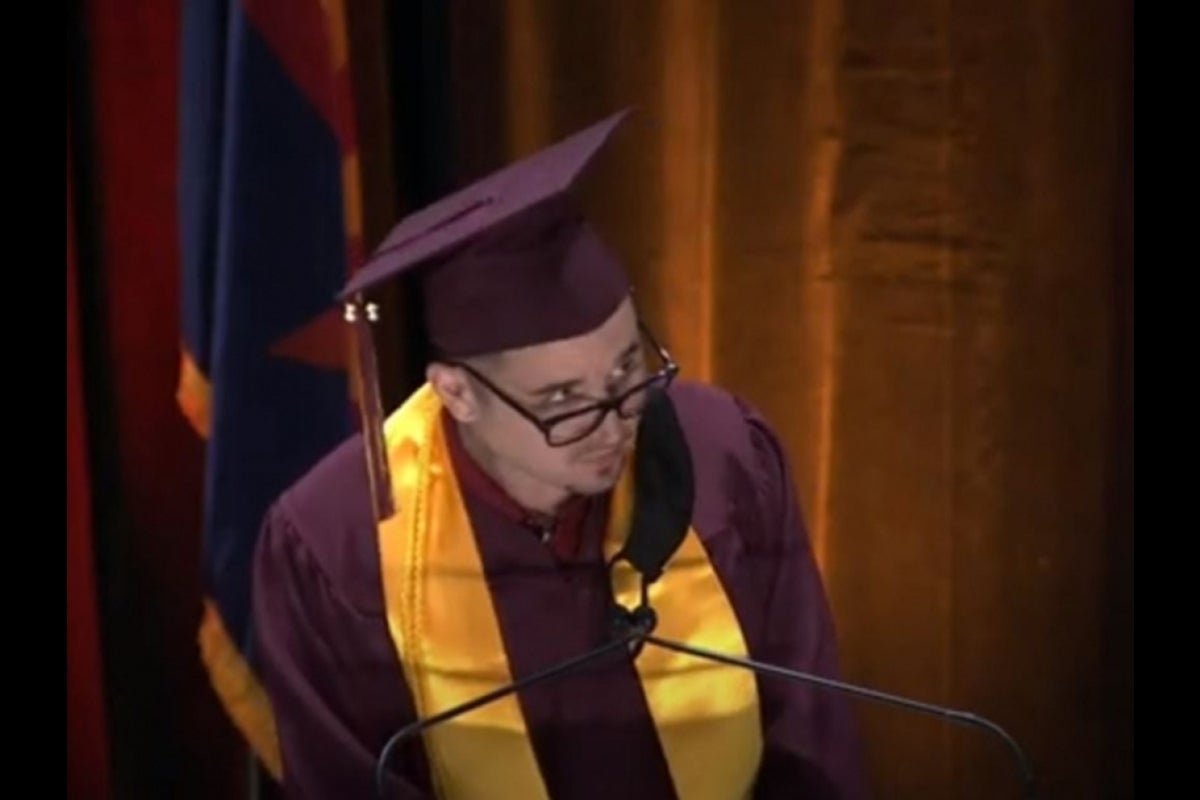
(552, 380)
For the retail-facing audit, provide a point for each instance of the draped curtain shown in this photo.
(905, 234)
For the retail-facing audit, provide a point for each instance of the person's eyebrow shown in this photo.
(571, 384)
(557, 386)
(626, 354)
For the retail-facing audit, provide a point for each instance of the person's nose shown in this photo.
(611, 430)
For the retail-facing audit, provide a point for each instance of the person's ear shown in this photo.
(454, 388)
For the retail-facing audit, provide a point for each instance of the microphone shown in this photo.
(635, 629)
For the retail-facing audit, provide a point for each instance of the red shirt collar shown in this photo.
(564, 530)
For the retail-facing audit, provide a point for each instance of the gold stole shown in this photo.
(445, 630)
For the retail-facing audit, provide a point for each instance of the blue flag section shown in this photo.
(265, 246)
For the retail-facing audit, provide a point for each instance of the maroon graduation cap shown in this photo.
(509, 261)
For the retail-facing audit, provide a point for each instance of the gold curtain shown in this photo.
(905, 234)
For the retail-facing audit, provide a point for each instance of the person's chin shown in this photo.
(594, 485)
(602, 473)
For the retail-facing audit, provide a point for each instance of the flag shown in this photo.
(269, 231)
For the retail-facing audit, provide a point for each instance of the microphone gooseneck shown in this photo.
(960, 717)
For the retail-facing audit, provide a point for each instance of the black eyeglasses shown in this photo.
(573, 426)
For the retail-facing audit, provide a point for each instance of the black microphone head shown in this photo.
(664, 488)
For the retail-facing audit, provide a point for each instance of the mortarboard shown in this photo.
(507, 262)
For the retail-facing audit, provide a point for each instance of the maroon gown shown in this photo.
(338, 691)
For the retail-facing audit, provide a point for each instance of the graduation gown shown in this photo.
(337, 688)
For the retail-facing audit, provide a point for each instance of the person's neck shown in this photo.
(526, 491)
